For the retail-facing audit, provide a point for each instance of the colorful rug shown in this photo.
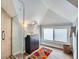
(42, 53)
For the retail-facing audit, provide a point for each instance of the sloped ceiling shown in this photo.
(34, 9)
(63, 8)
(53, 18)
(8, 6)
(43, 11)
(50, 11)
(74, 2)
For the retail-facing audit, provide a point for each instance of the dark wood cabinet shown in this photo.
(31, 43)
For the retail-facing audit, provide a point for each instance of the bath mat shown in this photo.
(42, 53)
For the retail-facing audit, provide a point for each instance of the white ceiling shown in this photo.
(43, 11)
(61, 11)
(34, 9)
(63, 8)
(53, 18)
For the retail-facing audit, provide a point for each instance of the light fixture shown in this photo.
(34, 22)
(25, 24)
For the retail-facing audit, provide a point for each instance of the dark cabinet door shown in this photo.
(36, 43)
(31, 43)
(32, 46)
(27, 44)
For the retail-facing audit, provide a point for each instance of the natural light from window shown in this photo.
(48, 34)
(61, 35)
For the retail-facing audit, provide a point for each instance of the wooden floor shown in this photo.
(55, 54)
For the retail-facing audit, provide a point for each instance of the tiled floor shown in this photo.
(55, 54)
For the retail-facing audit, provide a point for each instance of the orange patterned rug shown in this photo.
(42, 53)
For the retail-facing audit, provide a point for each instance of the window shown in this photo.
(61, 35)
(51, 34)
(48, 34)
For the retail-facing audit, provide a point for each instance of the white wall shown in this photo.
(74, 46)
(74, 41)
(18, 4)
(32, 29)
(17, 36)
